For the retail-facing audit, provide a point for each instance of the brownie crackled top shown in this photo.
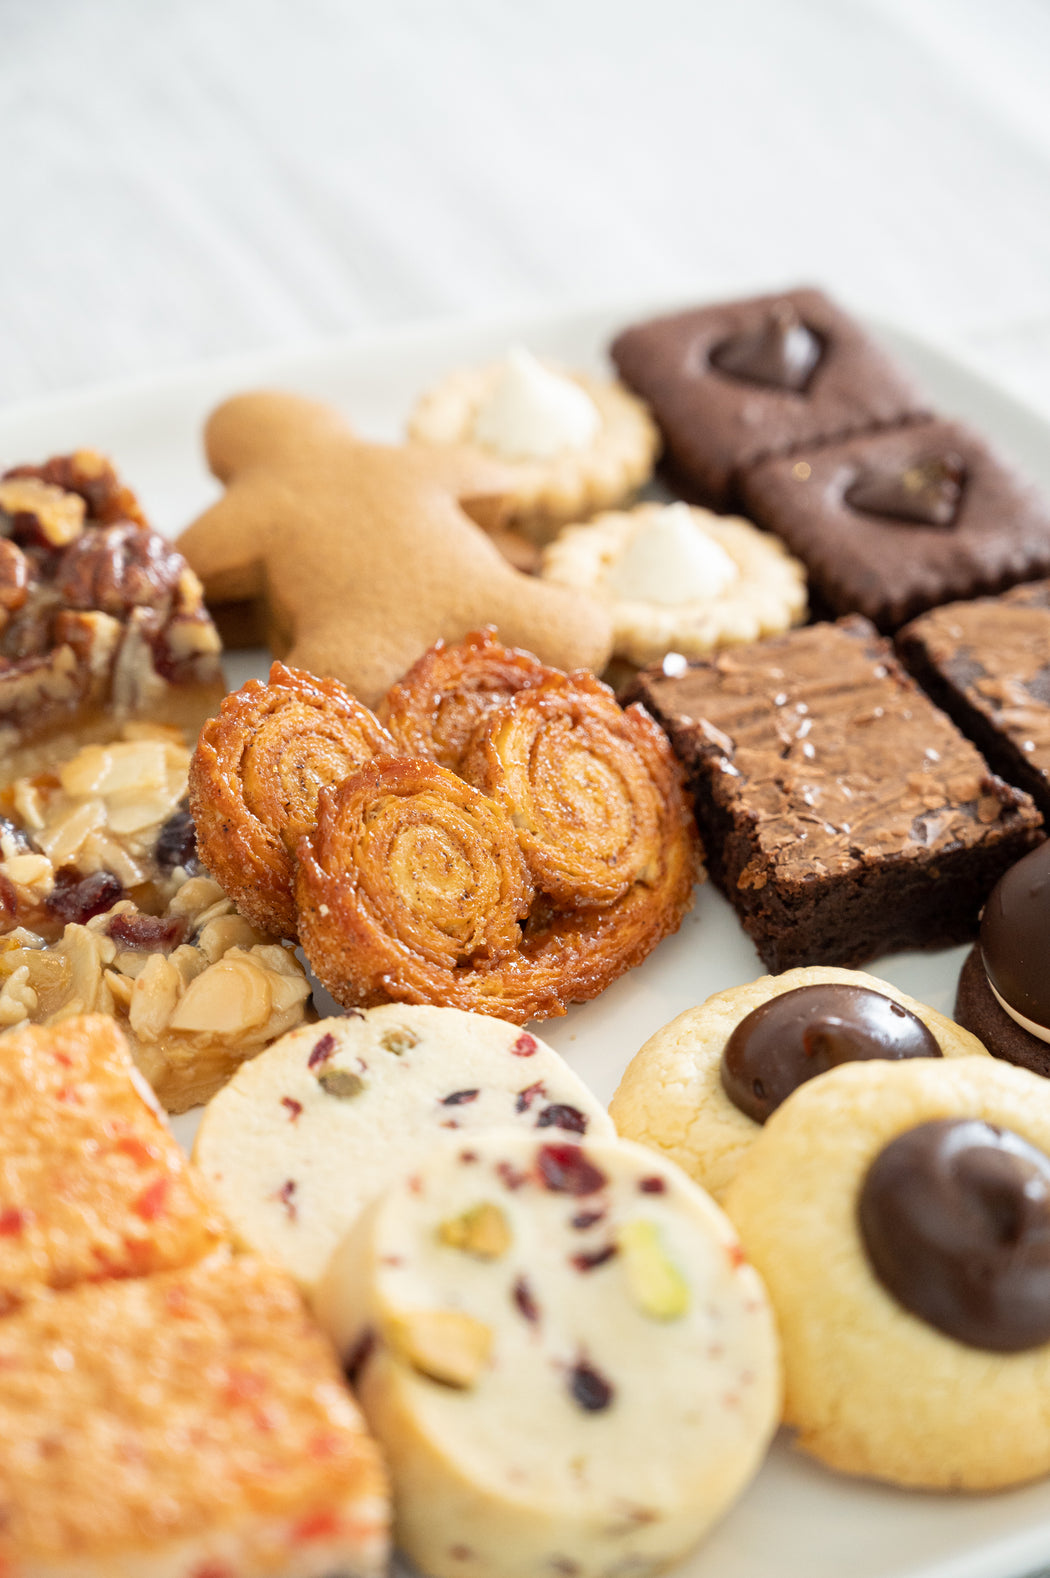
(843, 813)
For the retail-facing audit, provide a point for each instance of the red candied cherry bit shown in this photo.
(325, 1444)
(322, 1050)
(525, 1300)
(153, 1201)
(322, 1525)
(70, 1095)
(14, 1221)
(64, 1058)
(566, 1170)
(526, 1097)
(286, 1196)
(243, 1386)
(588, 1261)
(525, 1045)
(560, 1116)
(653, 1185)
(294, 1107)
(589, 1387)
(459, 1098)
(130, 1145)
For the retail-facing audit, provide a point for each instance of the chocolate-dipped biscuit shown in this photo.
(955, 1218)
(803, 1033)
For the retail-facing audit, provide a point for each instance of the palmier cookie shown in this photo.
(255, 777)
(568, 1363)
(899, 1214)
(570, 444)
(307, 1133)
(679, 1096)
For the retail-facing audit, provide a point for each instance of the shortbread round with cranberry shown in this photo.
(559, 1346)
(674, 1095)
(571, 444)
(680, 579)
(307, 1133)
(900, 1216)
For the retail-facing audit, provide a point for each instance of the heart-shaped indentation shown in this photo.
(782, 353)
(925, 491)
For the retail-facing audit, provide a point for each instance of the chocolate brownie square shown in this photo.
(890, 524)
(730, 384)
(987, 663)
(842, 814)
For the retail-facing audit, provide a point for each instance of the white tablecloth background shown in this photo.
(186, 179)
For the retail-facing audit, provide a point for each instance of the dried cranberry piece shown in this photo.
(526, 1097)
(322, 1050)
(559, 1116)
(177, 844)
(586, 1219)
(286, 1196)
(652, 1185)
(149, 933)
(596, 1257)
(525, 1045)
(294, 1107)
(459, 1098)
(589, 1387)
(76, 898)
(566, 1170)
(525, 1300)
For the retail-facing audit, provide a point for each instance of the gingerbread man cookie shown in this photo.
(361, 555)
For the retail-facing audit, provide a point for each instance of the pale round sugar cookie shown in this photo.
(671, 1095)
(606, 468)
(307, 1133)
(870, 1387)
(763, 593)
(562, 1352)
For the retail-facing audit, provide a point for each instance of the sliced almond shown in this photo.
(153, 998)
(230, 998)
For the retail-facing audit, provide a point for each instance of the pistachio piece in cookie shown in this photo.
(899, 1214)
(572, 444)
(585, 1401)
(700, 1089)
(678, 578)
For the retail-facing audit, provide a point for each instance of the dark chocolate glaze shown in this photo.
(955, 1218)
(927, 492)
(782, 353)
(1015, 936)
(805, 1032)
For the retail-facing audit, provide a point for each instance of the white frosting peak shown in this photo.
(671, 559)
(531, 413)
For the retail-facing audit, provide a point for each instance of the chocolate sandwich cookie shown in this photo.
(731, 383)
(701, 1088)
(899, 1213)
(1004, 988)
(891, 524)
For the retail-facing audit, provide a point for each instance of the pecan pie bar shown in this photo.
(100, 618)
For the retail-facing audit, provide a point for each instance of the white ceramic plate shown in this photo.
(797, 1520)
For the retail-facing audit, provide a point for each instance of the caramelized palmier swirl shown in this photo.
(590, 788)
(435, 708)
(411, 887)
(255, 777)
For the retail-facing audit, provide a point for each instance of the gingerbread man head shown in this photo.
(359, 556)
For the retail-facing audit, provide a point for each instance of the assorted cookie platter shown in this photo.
(796, 1515)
